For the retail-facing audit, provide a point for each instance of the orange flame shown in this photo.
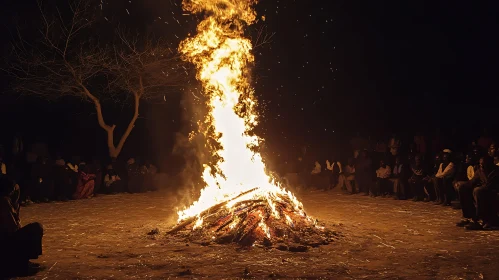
(221, 55)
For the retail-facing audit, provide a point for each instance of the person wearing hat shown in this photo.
(19, 244)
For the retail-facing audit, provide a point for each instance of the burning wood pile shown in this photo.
(255, 221)
(240, 202)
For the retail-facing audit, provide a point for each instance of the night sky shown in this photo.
(330, 70)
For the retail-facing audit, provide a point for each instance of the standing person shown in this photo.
(419, 179)
(19, 244)
(383, 174)
(478, 199)
(86, 182)
(443, 180)
(364, 173)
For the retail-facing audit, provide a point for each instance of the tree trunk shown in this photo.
(114, 151)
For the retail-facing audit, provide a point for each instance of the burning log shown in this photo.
(214, 208)
(254, 221)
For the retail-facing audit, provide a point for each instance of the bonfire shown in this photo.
(240, 203)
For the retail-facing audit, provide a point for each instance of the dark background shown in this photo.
(330, 71)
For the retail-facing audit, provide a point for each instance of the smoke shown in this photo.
(190, 146)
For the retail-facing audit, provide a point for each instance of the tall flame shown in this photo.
(222, 55)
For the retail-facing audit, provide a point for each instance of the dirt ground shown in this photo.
(106, 237)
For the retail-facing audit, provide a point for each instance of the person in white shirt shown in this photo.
(382, 180)
(443, 181)
(317, 169)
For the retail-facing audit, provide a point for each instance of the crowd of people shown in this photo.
(467, 181)
(57, 180)
(23, 183)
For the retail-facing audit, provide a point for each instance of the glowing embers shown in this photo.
(252, 221)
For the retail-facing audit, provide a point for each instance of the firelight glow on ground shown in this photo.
(106, 238)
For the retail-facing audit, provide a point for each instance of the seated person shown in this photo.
(19, 244)
(443, 181)
(430, 188)
(86, 183)
(112, 181)
(419, 179)
(336, 172)
(397, 179)
(317, 169)
(382, 180)
(464, 173)
(347, 181)
(478, 199)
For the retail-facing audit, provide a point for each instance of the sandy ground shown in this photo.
(106, 237)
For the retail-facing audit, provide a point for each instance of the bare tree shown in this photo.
(69, 60)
